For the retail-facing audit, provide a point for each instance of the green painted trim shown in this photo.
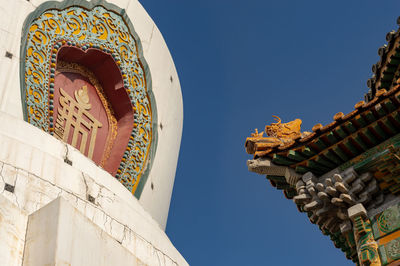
(396, 115)
(370, 116)
(295, 155)
(308, 151)
(389, 105)
(360, 163)
(111, 7)
(382, 255)
(322, 161)
(387, 76)
(381, 112)
(320, 144)
(276, 178)
(377, 128)
(391, 68)
(316, 167)
(368, 134)
(333, 157)
(360, 120)
(339, 130)
(360, 142)
(331, 137)
(389, 125)
(339, 152)
(347, 143)
(350, 127)
(282, 160)
(302, 169)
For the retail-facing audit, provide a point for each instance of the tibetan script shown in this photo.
(74, 119)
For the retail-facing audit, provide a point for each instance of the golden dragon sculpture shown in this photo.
(278, 133)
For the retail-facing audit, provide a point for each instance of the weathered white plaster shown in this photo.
(166, 86)
(144, 25)
(58, 234)
(36, 3)
(41, 175)
(167, 95)
(12, 232)
(10, 95)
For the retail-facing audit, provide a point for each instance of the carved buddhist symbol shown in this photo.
(74, 122)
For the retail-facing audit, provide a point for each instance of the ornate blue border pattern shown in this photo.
(102, 26)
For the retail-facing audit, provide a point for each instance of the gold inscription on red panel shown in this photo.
(74, 122)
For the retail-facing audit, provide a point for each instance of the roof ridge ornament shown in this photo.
(278, 133)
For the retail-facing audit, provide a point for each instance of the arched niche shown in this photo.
(82, 70)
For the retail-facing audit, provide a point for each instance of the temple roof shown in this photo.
(386, 70)
(347, 138)
(371, 122)
(329, 146)
(351, 163)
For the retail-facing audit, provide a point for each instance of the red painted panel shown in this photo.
(71, 82)
(106, 71)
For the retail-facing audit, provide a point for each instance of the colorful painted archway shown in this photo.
(84, 80)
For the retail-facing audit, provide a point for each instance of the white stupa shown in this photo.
(90, 127)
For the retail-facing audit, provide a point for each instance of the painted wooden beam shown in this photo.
(350, 127)
(369, 116)
(389, 126)
(302, 169)
(319, 144)
(339, 130)
(317, 167)
(396, 116)
(360, 142)
(340, 153)
(282, 160)
(323, 161)
(368, 134)
(389, 105)
(347, 143)
(296, 156)
(379, 110)
(333, 157)
(378, 130)
(331, 138)
(360, 121)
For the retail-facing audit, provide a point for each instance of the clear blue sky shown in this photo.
(239, 63)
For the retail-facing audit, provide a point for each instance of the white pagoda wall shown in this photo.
(165, 86)
(35, 167)
(32, 161)
(58, 234)
(13, 222)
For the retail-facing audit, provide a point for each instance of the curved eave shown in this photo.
(328, 147)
